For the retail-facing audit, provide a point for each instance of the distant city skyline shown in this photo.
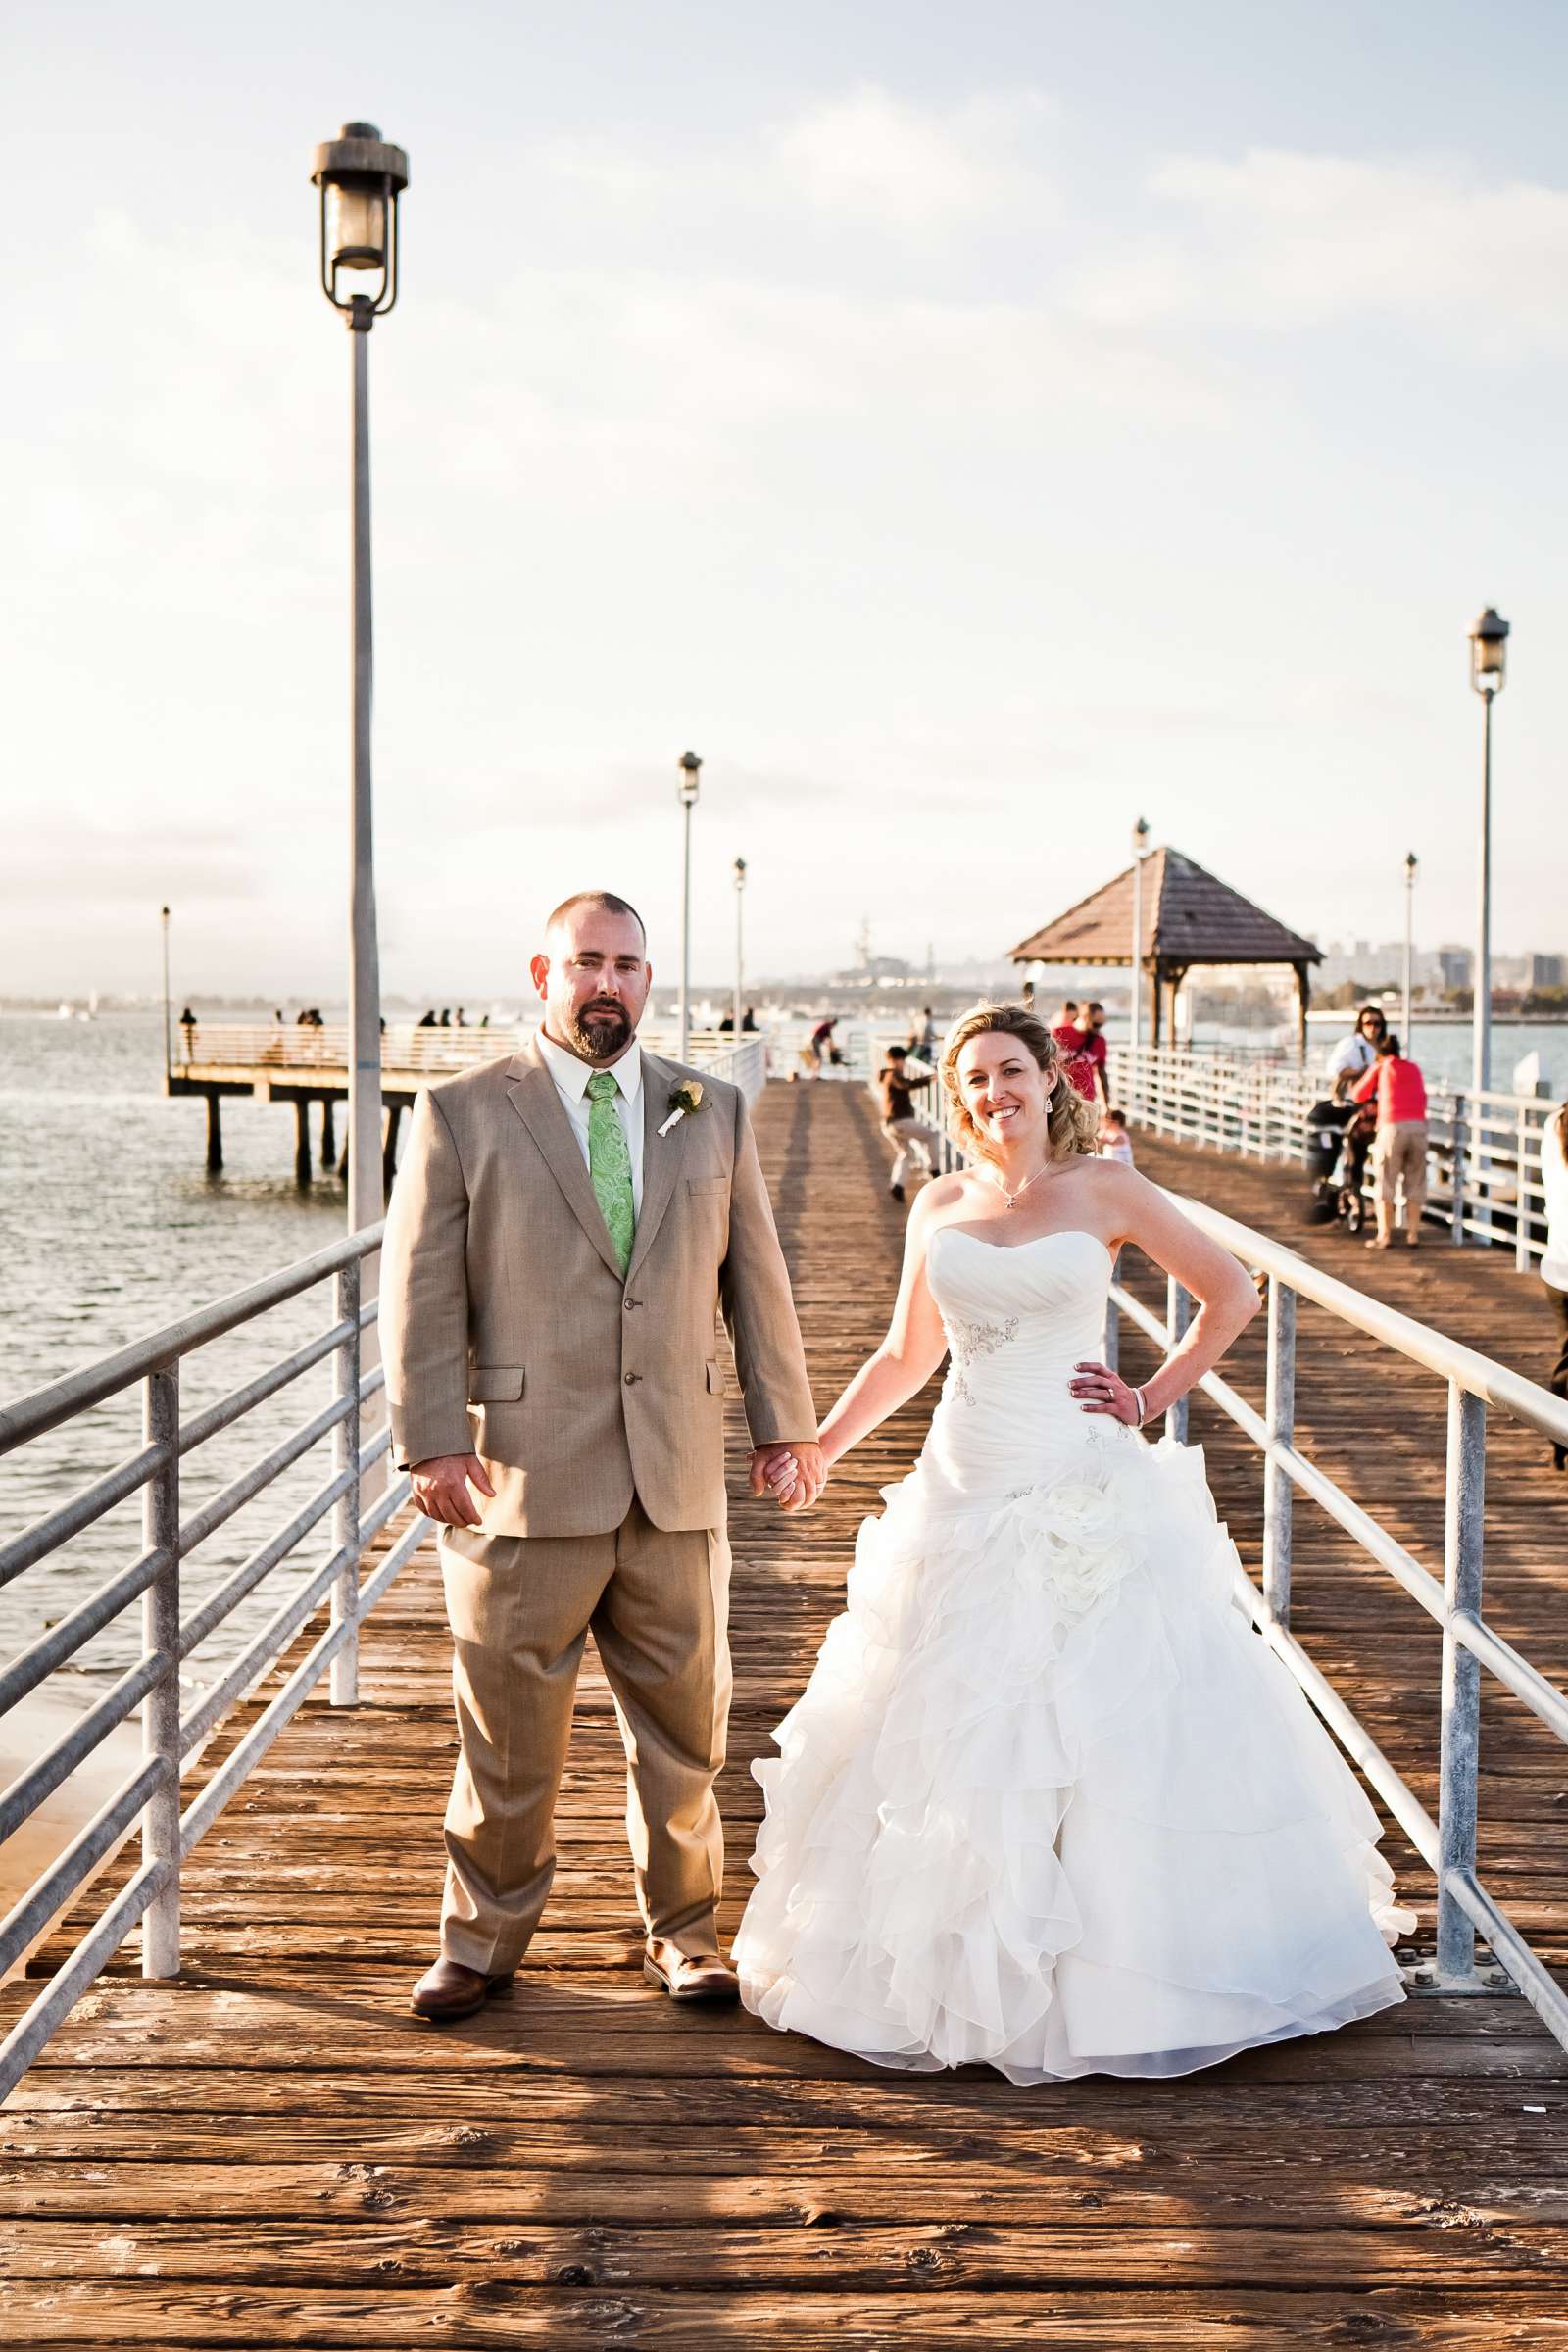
(970, 433)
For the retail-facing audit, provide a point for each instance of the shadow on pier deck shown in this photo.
(270, 2152)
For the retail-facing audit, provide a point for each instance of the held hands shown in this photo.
(1100, 1390)
(794, 1475)
(441, 1488)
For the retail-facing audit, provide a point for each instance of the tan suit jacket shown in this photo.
(507, 1330)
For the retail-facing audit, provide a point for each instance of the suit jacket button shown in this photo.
(633, 1376)
(630, 1303)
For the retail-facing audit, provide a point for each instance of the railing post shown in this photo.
(1461, 1739)
(345, 1670)
(1111, 1338)
(1521, 1228)
(1178, 1314)
(160, 1637)
(1460, 1126)
(1279, 1419)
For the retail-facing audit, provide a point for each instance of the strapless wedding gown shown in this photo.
(1048, 1802)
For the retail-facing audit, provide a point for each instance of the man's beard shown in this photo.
(600, 1031)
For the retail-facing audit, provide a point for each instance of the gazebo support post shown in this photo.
(1176, 973)
(1303, 998)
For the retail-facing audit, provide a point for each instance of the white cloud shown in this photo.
(871, 156)
(1282, 240)
(869, 162)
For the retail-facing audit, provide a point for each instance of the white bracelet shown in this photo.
(1143, 1407)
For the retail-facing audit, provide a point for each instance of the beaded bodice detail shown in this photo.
(968, 1342)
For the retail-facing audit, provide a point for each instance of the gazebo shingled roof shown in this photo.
(1189, 917)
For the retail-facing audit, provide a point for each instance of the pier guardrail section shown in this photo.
(295, 1055)
(151, 1686)
(1455, 1601)
(1484, 1149)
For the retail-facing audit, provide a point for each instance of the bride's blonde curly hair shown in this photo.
(1072, 1120)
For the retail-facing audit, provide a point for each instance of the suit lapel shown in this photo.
(662, 1157)
(533, 1097)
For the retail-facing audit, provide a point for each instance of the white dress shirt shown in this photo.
(571, 1078)
(1354, 1053)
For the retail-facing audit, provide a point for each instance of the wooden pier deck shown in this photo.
(273, 2153)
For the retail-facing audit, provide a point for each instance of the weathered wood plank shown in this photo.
(583, 2317)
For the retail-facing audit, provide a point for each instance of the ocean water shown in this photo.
(1441, 1048)
(109, 1227)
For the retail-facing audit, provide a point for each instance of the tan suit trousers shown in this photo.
(521, 1609)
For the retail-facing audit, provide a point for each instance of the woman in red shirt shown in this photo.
(1400, 1148)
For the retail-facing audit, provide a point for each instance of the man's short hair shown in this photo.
(1094, 1005)
(1070, 1004)
(605, 901)
(898, 1053)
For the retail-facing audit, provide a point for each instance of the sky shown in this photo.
(968, 430)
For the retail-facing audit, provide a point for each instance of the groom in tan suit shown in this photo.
(558, 1253)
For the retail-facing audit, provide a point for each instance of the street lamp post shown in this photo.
(1488, 663)
(361, 176)
(691, 771)
(739, 871)
(1411, 868)
(1140, 852)
(168, 1031)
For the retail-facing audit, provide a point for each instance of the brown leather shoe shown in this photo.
(690, 1975)
(449, 1990)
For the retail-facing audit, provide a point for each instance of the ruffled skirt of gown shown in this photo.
(1048, 1802)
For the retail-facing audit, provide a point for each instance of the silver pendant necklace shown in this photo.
(1012, 1199)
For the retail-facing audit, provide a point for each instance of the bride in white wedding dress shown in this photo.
(1047, 1800)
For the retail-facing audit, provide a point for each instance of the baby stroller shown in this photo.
(1326, 1123)
(1339, 1136)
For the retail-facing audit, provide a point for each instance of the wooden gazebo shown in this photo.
(1189, 917)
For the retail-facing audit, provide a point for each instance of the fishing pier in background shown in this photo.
(306, 1065)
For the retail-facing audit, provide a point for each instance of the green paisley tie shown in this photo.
(609, 1164)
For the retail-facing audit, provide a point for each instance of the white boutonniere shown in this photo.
(686, 1098)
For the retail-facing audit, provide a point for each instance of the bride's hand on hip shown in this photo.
(1100, 1390)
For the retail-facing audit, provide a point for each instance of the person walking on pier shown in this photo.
(1554, 1263)
(907, 1133)
(564, 1232)
(1082, 1043)
(1113, 1140)
(1399, 1144)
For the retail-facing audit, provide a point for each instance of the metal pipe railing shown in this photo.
(152, 1798)
(1474, 1383)
(1485, 1148)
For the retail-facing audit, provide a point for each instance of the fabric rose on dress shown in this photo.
(1078, 1538)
